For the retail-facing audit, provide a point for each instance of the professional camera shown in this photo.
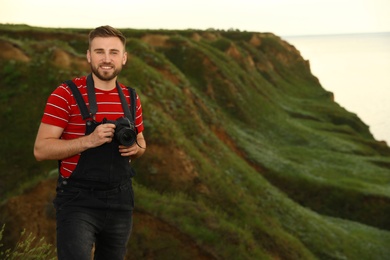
(125, 131)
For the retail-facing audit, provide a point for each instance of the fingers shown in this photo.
(103, 134)
(106, 131)
(128, 150)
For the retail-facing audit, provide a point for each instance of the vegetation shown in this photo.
(248, 156)
(28, 247)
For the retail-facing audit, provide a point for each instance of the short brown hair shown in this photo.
(106, 31)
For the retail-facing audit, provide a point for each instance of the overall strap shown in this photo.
(82, 106)
(79, 99)
(91, 96)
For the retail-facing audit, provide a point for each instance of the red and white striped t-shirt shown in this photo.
(62, 110)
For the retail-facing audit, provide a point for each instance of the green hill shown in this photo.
(248, 156)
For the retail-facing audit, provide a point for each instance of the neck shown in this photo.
(104, 84)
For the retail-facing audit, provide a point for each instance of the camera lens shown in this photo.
(125, 132)
(126, 136)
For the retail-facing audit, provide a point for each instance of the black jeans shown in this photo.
(87, 217)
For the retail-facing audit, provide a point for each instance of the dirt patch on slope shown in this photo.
(11, 51)
(32, 211)
(171, 168)
(255, 40)
(153, 238)
(156, 40)
(67, 60)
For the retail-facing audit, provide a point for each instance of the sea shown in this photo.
(356, 68)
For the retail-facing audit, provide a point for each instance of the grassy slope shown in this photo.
(247, 154)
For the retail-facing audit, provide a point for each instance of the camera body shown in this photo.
(125, 131)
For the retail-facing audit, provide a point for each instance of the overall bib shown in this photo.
(100, 172)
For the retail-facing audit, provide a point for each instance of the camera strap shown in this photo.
(133, 103)
(85, 113)
(125, 106)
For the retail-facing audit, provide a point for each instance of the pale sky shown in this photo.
(282, 17)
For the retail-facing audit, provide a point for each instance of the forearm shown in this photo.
(58, 149)
(50, 146)
(141, 143)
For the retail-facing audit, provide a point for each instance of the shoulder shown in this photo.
(126, 90)
(81, 84)
(124, 87)
(65, 91)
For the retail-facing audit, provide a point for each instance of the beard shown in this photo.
(105, 75)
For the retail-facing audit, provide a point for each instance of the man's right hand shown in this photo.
(103, 134)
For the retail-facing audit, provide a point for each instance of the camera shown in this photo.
(125, 131)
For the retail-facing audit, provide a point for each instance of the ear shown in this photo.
(88, 56)
(124, 58)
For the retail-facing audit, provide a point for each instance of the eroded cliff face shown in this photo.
(247, 154)
(33, 212)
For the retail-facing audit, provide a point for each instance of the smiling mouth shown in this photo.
(106, 67)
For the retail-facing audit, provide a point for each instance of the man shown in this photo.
(94, 200)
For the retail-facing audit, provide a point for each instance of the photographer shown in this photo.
(94, 201)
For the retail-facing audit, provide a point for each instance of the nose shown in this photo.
(106, 57)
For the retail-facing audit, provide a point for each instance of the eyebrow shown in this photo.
(101, 49)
